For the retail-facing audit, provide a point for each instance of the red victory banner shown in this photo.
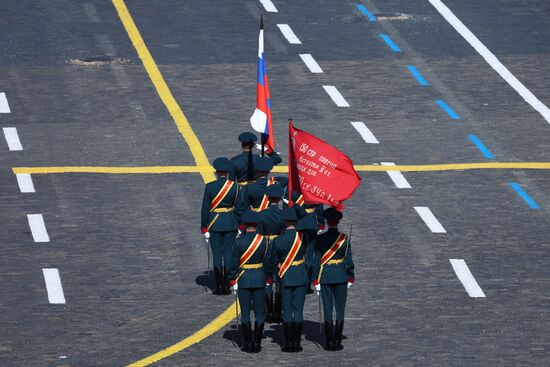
(319, 171)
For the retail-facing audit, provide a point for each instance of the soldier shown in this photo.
(249, 274)
(253, 195)
(272, 225)
(288, 253)
(310, 223)
(243, 164)
(219, 220)
(333, 274)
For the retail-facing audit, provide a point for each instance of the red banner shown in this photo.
(319, 171)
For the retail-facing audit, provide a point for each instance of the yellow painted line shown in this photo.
(162, 88)
(114, 170)
(281, 169)
(203, 333)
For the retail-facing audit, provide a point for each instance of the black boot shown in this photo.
(287, 346)
(338, 335)
(269, 307)
(309, 290)
(278, 307)
(258, 332)
(225, 282)
(298, 337)
(329, 334)
(292, 337)
(218, 279)
(247, 337)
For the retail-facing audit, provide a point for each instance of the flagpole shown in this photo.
(290, 163)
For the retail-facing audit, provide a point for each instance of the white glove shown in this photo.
(349, 284)
(206, 235)
(267, 285)
(317, 288)
(235, 287)
(239, 232)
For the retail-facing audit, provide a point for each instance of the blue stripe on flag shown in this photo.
(261, 70)
(268, 103)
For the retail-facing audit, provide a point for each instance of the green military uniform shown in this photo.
(243, 164)
(272, 225)
(334, 271)
(250, 270)
(253, 195)
(288, 254)
(310, 221)
(219, 220)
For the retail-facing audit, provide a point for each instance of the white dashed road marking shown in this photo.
(365, 133)
(53, 286)
(4, 106)
(311, 63)
(38, 228)
(336, 96)
(289, 34)
(397, 177)
(268, 6)
(24, 180)
(492, 59)
(14, 144)
(468, 281)
(430, 220)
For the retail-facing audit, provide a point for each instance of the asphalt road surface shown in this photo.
(452, 267)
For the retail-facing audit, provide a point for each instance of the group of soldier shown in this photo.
(270, 253)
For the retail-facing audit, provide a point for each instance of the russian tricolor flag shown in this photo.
(261, 119)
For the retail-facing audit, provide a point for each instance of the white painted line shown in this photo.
(53, 286)
(430, 220)
(336, 96)
(468, 281)
(289, 34)
(491, 59)
(24, 181)
(4, 106)
(311, 63)
(365, 133)
(268, 6)
(38, 228)
(397, 177)
(14, 144)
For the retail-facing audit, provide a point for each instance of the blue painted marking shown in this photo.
(486, 153)
(414, 71)
(519, 190)
(390, 43)
(452, 114)
(365, 11)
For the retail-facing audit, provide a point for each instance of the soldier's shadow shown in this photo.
(206, 280)
(233, 334)
(275, 332)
